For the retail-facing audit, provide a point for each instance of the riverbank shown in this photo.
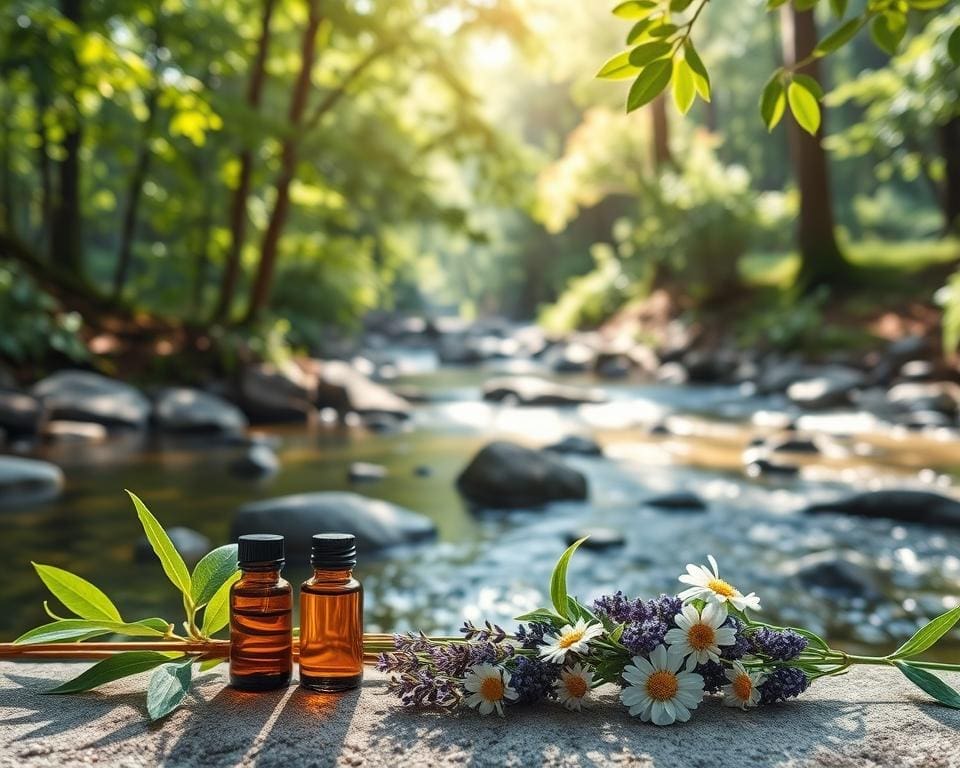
(857, 720)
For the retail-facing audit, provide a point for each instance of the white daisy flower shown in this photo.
(573, 638)
(658, 690)
(710, 587)
(743, 690)
(489, 687)
(573, 686)
(699, 635)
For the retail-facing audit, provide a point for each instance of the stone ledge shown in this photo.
(871, 717)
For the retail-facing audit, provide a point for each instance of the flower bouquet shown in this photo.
(666, 654)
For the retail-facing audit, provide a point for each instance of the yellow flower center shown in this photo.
(569, 638)
(743, 687)
(492, 688)
(576, 686)
(701, 636)
(720, 587)
(662, 685)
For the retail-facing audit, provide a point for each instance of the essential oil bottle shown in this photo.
(261, 608)
(331, 616)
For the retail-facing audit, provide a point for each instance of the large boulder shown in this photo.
(844, 575)
(274, 393)
(505, 475)
(20, 414)
(830, 388)
(377, 524)
(192, 410)
(942, 396)
(257, 462)
(342, 387)
(905, 506)
(26, 481)
(530, 390)
(85, 396)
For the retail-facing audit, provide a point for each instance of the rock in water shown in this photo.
(192, 546)
(597, 538)
(905, 506)
(578, 445)
(342, 387)
(192, 410)
(26, 481)
(844, 575)
(530, 390)
(506, 475)
(364, 472)
(830, 388)
(274, 393)
(376, 524)
(74, 431)
(19, 413)
(85, 396)
(680, 500)
(259, 461)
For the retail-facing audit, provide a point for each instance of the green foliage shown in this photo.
(930, 683)
(558, 580)
(113, 668)
(163, 548)
(928, 635)
(948, 297)
(77, 594)
(169, 685)
(211, 573)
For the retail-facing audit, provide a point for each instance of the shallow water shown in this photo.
(497, 566)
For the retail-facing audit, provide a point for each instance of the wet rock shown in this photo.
(192, 546)
(779, 374)
(905, 506)
(573, 357)
(278, 393)
(793, 444)
(27, 481)
(364, 472)
(74, 431)
(919, 421)
(20, 414)
(942, 396)
(505, 475)
(907, 348)
(710, 366)
(830, 388)
(192, 410)
(757, 462)
(845, 575)
(613, 366)
(85, 396)
(259, 461)
(660, 428)
(376, 524)
(422, 470)
(672, 373)
(341, 387)
(599, 538)
(678, 501)
(576, 444)
(382, 424)
(530, 390)
(918, 370)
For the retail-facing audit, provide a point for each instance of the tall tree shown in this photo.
(662, 157)
(821, 261)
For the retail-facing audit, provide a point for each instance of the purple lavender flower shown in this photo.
(531, 636)
(533, 679)
(741, 646)
(783, 683)
(779, 645)
(713, 675)
(646, 621)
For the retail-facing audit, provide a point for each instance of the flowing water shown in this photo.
(496, 566)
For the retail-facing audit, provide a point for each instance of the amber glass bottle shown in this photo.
(331, 616)
(261, 606)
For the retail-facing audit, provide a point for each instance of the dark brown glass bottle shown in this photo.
(331, 616)
(261, 608)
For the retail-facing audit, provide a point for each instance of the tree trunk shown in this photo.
(6, 171)
(950, 149)
(821, 262)
(238, 203)
(260, 291)
(662, 157)
(66, 251)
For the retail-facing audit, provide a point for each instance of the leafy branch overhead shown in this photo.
(662, 52)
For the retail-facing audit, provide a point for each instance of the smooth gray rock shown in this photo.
(830, 388)
(531, 390)
(905, 506)
(505, 475)
(62, 431)
(365, 472)
(678, 500)
(576, 445)
(377, 524)
(192, 546)
(257, 462)
(193, 410)
(85, 396)
(278, 393)
(342, 387)
(942, 396)
(28, 481)
(20, 413)
(845, 575)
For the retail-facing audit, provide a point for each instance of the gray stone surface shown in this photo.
(85, 396)
(180, 409)
(28, 481)
(870, 718)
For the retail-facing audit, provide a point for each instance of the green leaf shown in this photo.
(637, 30)
(211, 572)
(558, 580)
(679, 5)
(77, 594)
(684, 90)
(618, 68)
(804, 107)
(930, 683)
(207, 664)
(839, 8)
(810, 84)
(644, 54)
(927, 636)
(649, 83)
(772, 102)
(170, 559)
(953, 46)
(839, 37)
(701, 78)
(634, 9)
(114, 668)
(68, 630)
(887, 31)
(217, 613)
(168, 688)
(663, 30)
(543, 616)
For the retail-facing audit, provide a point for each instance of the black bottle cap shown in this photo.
(263, 549)
(333, 551)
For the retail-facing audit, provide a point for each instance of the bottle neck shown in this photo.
(267, 575)
(328, 574)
